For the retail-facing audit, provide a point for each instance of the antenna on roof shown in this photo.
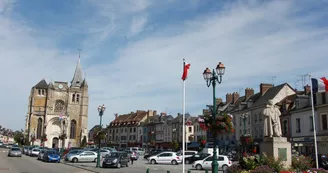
(303, 78)
(240, 90)
(273, 78)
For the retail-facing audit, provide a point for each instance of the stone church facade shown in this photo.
(57, 108)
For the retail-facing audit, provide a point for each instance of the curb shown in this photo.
(80, 167)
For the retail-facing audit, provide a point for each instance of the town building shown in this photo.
(124, 130)
(58, 108)
(321, 100)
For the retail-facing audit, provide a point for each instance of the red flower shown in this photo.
(203, 142)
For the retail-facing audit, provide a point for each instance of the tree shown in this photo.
(84, 142)
(18, 136)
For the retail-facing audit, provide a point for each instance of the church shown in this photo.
(57, 113)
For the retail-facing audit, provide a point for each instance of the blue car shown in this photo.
(51, 156)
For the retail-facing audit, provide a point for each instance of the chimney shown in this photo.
(264, 88)
(249, 92)
(116, 115)
(163, 114)
(205, 111)
(235, 97)
(218, 101)
(229, 97)
(307, 89)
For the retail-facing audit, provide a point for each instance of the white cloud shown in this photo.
(138, 24)
(254, 41)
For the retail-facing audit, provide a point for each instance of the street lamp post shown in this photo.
(212, 78)
(101, 110)
(244, 117)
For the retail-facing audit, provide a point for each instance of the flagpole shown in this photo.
(183, 121)
(314, 126)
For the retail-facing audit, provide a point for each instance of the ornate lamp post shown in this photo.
(101, 110)
(212, 78)
(244, 116)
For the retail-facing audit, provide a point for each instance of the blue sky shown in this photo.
(132, 50)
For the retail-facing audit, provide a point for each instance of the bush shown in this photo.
(248, 163)
(301, 163)
(262, 169)
(234, 169)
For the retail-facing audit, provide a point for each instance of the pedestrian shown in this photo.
(131, 158)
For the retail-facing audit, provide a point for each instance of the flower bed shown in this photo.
(266, 164)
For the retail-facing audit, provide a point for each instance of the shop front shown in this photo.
(322, 144)
(303, 145)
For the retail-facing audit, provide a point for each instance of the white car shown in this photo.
(35, 152)
(165, 158)
(84, 156)
(206, 163)
(188, 153)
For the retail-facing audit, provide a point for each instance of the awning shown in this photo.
(193, 145)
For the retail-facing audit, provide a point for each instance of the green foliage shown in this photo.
(99, 133)
(301, 163)
(17, 137)
(221, 124)
(262, 169)
(84, 142)
(175, 145)
(252, 162)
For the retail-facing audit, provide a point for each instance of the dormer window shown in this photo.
(41, 92)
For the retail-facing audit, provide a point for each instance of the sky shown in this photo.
(132, 50)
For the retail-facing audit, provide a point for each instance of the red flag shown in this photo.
(185, 71)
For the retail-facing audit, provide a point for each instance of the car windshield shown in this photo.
(52, 152)
(113, 155)
(36, 149)
(15, 149)
(74, 151)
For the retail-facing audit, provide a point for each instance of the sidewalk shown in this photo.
(84, 167)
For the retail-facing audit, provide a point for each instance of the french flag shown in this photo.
(319, 85)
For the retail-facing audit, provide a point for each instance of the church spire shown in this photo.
(77, 78)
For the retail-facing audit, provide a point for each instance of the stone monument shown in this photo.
(273, 144)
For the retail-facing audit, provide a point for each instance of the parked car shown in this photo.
(132, 154)
(195, 157)
(165, 158)
(206, 163)
(51, 156)
(15, 152)
(84, 156)
(187, 153)
(116, 159)
(35, 152)
(152, 153)
(40, 155)
(72, 152)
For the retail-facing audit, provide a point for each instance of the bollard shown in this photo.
(206, 171)
(168, 171)
(147, 171)
(189, 171)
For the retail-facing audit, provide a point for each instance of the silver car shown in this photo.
(15, 152)
(84, 156)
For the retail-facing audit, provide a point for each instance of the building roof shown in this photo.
(41, 85)
(269, 94)
(78, 76)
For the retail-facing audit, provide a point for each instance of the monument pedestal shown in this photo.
(278, 147)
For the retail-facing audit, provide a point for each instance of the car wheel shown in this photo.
(174, 162)
(199, 167)
(153, 161)
(74, 160)
(224, 167)
(95, 160)
(187, 161)
(118, 165)
(127, 164)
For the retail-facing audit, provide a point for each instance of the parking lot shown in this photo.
(139, 166)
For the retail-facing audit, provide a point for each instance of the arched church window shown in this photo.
(73, 129)
(39, 129)
(77, 98)
(59, 106)
(73, 97)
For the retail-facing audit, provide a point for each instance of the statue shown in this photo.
(272, 125)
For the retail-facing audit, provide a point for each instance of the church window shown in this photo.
(73, 97)
(59, 106)
(73, 129)
(77, 98)
(39, 129)
(41, 92)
